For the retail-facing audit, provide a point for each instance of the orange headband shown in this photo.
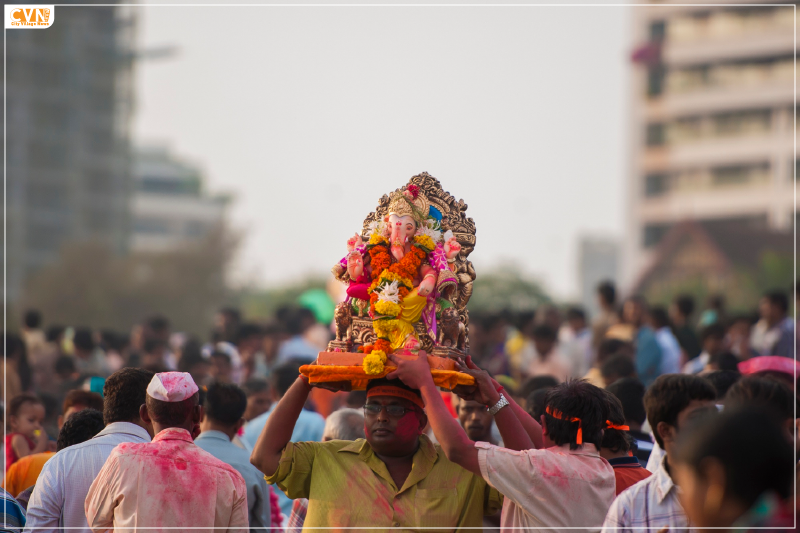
(391, 390)
(609, 425)
(555, 413)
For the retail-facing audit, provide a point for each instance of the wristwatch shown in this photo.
(502, 402)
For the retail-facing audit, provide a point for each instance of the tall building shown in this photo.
(712, 122)
(169, 206)
(69, 100)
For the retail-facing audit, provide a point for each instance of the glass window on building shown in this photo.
(658, 30)
(150, 225)
(654, 233)
(745, 122)
(740, 175)
(655, 80)
(656, 184)
(655, 135)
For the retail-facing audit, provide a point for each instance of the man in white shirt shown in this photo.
(58, 499)
(671, 401)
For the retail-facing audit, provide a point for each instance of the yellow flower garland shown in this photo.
(374, 362)
(388, 308)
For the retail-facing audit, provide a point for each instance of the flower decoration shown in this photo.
(432, 229)
(424, 242)
(374, 362)
(374, 228)
(413, 190)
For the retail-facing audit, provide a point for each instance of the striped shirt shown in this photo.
(651, 503)
(12, 516)
(58, 499)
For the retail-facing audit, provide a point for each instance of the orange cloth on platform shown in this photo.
(24, 472)
(356, 375)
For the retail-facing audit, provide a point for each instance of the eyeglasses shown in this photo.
(395, 411)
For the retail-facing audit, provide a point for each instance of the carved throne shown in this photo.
(454, 218)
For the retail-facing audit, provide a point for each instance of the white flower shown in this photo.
(448, 235)
(390, 293)
(374, 227)
(429, 229)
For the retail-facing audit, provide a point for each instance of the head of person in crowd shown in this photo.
(773, 307)
(634, 311)
(224, 406)
(83, 341)
(394, 418)
(722, 380)
(534, 404)
(356, 399)
(630, 393)
(193, 362)
(32, 319)
(611, 347)
(722, 361)
(681, 309)
(249, 339)
(476, 420)
(157, 328)
(672, 401)
(258, 398)
(282, 378)
(767, 394)
(534, 383)
(173, 401)
(728, 464)
(344, 424)
(607, 295)
(779, 368)
(154, 352)
(80, 427)
(226, 324)
(78, 400)
(544, 339)
(65, 368)
(658, 318)
(25, 415)
(616, 441)
(124, 392)
(617, 367)
(712, 339)
(221, 370)
(576, 319)
(575, 414)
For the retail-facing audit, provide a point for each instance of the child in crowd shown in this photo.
(616, 447)
(25, 434)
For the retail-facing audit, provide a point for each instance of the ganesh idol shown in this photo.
(402, 270)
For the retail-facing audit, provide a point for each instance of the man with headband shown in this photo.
(169, 482)
(395, 478)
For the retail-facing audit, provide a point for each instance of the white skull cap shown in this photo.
(172, 386)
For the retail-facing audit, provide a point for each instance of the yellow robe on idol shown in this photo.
(398, 329)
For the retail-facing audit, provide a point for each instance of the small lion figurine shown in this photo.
(452, 333)
(344, 319)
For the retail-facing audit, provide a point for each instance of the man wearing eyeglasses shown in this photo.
(395, 478)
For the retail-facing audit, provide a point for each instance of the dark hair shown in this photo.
(254, 386)
(672, 393)
(356, 397)
(778, 299)
(766, 393)
(715, 330)
(724, 361)
(90, 400)
(123, 393)
(610, 347)
(171, 414)
(722, 380)
(248, 330)
(535, 403)
(620, 365)
(82, 339)
(544, 332)
(14, 348)
(685, 304)
(18, 401)
(32, 319)
(616, 440)
(630, 393)
(216, 354)
(658, 315)
(80, 427)
(535, 383)
(53, 333)
(65, 365)
(752, 447)
(575, 313)
(157, 323)
(607, 291)
(225, 403)
(191, 355)
(576, 398)
(283, 376)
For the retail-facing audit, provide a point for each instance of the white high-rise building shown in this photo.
(712, 122)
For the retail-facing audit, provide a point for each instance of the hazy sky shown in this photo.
(309, 114)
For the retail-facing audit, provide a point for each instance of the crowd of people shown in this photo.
(642, 417)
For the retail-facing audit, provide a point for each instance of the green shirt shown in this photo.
(347, 485)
